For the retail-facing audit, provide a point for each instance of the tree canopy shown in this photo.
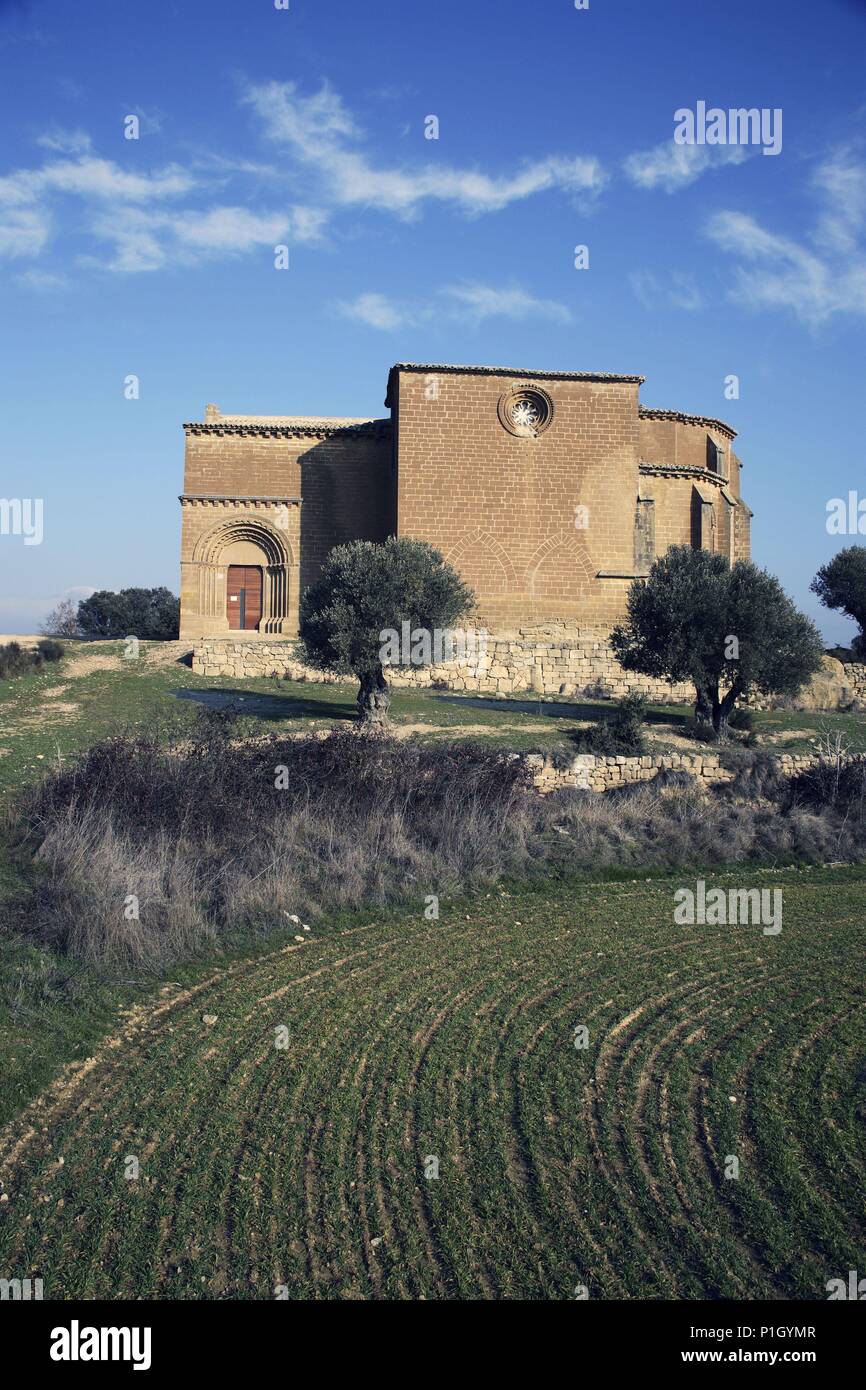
(841, 583)
(367, 592)
(729, 630)
(151, 614)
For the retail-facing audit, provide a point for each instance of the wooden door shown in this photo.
(244, 597)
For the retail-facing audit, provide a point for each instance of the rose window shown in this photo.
(526, 411)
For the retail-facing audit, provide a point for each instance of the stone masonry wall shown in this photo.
(502, 508)
(855, 674)
(545, 661)
(550, 660)
(592, 773)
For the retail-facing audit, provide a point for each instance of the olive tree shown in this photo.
(369, 597)
(728, 629)
(841, 583)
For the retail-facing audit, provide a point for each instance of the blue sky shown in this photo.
(306, 127)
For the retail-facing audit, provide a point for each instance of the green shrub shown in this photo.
(151, 614)
(15, 661)
(621, 733)
(50, 650)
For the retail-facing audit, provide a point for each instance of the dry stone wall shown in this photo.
(593, 773)
(550, 660)
(546, 661)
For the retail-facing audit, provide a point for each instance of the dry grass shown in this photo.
(151, 853)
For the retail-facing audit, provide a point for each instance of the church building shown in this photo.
(549, 492)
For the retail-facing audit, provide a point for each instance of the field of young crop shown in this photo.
(398, 1109)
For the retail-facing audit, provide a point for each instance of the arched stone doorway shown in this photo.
(244, 546)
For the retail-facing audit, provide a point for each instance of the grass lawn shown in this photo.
(95, 691)
(409, 1041)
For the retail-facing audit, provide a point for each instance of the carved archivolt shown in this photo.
(280, 586)
(274, 543)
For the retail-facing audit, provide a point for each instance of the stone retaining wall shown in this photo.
(593, 773)
(544, 661)
(553, 660)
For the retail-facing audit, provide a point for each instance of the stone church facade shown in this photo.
(549, 492)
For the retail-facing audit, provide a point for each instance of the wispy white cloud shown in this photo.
(471, 303)
(840, 182)
(308, 224)
(134, 236)
(65, 141)
(321, 133)
(377, 311)
(671, 167)
(480, 302)
(44, 281)
(679, 290)
(145, 239)
(23, 231)
(230, 229)
(143, 218)
(815, 278)
(88, 177)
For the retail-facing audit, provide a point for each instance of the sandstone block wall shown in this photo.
(589, 772)
(311, 490)
(501, 508)
(551, 661)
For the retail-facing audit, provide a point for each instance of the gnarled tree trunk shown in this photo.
(374, 697)
(720, 707)
(703, 706)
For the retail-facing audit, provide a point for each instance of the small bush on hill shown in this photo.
(833, 783)
(16, 660)
(619, 734)
(50, 650)
(62, 621)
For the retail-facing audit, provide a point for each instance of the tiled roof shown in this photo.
(287, 426)
(522, 372)
(214, 418)
(707, 422)
(679, 470)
